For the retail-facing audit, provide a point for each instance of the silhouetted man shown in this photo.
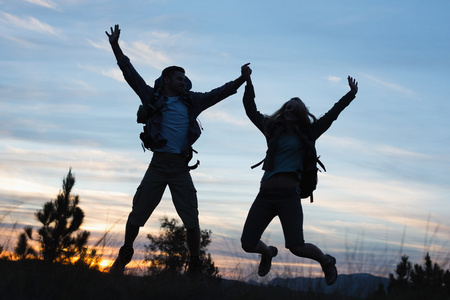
(170, 132)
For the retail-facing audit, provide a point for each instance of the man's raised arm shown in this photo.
(114, 41)
(241, 79)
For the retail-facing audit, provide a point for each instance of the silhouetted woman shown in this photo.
(286, 132)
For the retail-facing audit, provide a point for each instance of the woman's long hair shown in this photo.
(302, 118)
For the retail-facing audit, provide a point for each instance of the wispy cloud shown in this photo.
(223, 116)
(145, 53)
(22, 42)
(45, 3)
(102, 45)
(28, 23)
(372, 148)
(392, 86)
(138, 51)
(334, 78)
(394, 151)
(113, 73)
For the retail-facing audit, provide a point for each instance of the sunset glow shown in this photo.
(65, 104)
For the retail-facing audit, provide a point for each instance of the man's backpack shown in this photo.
(147, 110)
(147, 141)
(144, 113)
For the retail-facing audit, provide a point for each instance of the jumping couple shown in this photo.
(173, 128)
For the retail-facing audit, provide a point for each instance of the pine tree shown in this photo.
(61, 218)
(428, 276)
(23, 250)
(403, 275)
(168, 252)
(429, 281)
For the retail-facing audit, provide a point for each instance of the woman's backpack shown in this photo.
(311, 164)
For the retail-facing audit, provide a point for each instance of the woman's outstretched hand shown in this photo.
(353, 85)
(246, 72)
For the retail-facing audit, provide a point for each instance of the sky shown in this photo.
(65, 104)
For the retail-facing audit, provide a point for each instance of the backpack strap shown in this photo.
(188, 159)
(255, 165)
(321, 164)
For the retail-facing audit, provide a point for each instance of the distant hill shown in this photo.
(35, 279)
(353, 285)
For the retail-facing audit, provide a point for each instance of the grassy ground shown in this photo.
(37, 280)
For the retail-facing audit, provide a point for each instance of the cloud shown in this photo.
(222, 116)
(394, 151)
(392, 86)
(144, 53)
(373, 149)
(22, 42)
(333, 78)
(102, 45)
(9, 184)
(28, 23)
(114, 73)
(138, 52)
(77, 85)
(45, 3)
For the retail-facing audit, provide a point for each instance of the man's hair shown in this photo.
(167, 72)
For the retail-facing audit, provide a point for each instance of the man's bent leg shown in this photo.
(147, 197)
(184, 197)
(193, 240)
(126, 251)
(131, 232)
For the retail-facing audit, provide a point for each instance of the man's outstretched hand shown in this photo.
(114, 36)
(246, 72)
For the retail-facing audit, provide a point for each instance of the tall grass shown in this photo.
(6, 233)
(33, 279)
(135, 284)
